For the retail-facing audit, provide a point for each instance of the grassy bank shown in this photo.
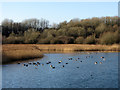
(13, 52)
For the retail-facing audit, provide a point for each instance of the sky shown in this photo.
(57, 12)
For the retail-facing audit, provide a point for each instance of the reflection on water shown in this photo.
(64, 70)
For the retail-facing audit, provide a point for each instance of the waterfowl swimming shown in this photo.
(102, 57)
(66, 63)
(34, 63)
(38, 63)
(95, 62)
(18, 62)
(49, 61)
(59, 61)
(63, 66)
(24, 64)
(27, 65)
(70, 58)
(78, 58)
(77, 67)
(51, 65)
(80, 61)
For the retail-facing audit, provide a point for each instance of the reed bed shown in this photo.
(13, 52)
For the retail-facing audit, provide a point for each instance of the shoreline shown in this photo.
(17, 52)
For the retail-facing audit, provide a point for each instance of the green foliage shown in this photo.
(104, 30)
(13, 40)
(110, 38)
(100, 29)
(31, 36)
(76, 31)
(79, 40)
(62, 40)
(90, 40)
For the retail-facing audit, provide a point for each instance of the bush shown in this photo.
(108, 38)
(56, 41)
(62, 40)
(79, 40)
(76, 31)
(117, 36)
(90, 40)
(100, 29)
(30, 36)
(43, 41)
(13, 40)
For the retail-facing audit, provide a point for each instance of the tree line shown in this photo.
(103, 30)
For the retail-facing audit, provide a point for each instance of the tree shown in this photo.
(90, 40)
(79, 40)
(31, 36)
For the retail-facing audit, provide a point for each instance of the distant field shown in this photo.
(13, 52)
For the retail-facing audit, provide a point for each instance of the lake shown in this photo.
(71, 70)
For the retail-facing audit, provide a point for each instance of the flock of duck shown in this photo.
(53, 67)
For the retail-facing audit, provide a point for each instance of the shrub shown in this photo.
(62, 40)
(79, 40)
(90, 40)
(108, 38)
(30, 36)
(100, 29)
(14, 40)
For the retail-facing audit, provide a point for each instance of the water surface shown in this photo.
(80, 72)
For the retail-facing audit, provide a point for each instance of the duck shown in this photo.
(34, 63)
(18, 62)
(70, 58)
(63, 66)
(102, 57)
(38, 63)
(59, 61)
(51, 65)
(66, 63)
(27, 65)
(49, 61)
(95, 62)
(24, 64)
